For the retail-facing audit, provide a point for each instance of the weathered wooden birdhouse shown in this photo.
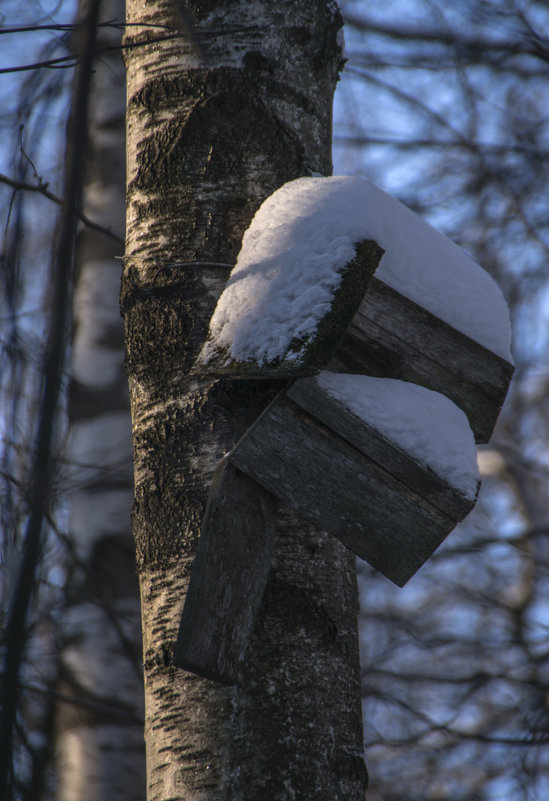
(379, 447)
(337, 268)
(387, 467)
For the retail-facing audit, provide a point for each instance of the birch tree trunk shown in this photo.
(229, 102)
(99, 740)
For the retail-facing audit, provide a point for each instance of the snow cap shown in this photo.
(291, 263)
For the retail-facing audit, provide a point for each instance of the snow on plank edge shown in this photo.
(291, 262)
(424, 423)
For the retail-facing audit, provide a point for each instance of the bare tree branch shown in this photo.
(42, 189)
(472, 48)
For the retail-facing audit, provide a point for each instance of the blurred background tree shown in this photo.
(79, 731)
(446, 107)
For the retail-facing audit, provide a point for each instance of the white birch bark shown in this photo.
(234, 103)
(99, 749)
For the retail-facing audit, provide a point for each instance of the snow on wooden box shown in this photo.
(301, 287)
(300, 276)
(298, 324)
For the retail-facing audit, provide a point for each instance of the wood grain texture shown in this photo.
(389, 520)
(307, 393)
(228, 578)
(392, 337)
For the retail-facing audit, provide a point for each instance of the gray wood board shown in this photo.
(228, 577)
(342, 490)
(393, 337)
(400, 463)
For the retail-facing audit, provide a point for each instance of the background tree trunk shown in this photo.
(229, 103)
(99, 743)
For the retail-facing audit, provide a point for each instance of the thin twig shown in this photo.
(67, 62)
(42, 189)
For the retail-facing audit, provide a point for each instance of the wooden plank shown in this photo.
(228, 577)
(317, 351)
(339, 488)
(307, 393)
(391, 336)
